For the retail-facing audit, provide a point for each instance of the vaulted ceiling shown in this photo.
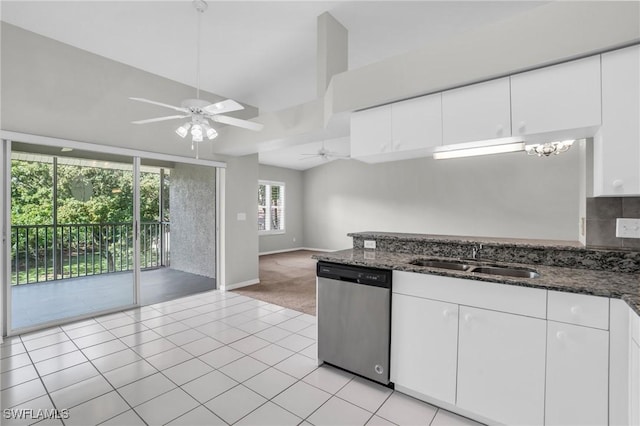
(259, 52)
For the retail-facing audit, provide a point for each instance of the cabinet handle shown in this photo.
(448, 313)
(575, 310)
(383, 147)
(397, 145)
(561, 335)
(468, 317)
(618, 183)
(522, 126)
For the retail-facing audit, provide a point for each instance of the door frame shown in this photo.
(5, 217)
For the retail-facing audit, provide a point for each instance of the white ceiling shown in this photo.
(259, 52)
(299, 157)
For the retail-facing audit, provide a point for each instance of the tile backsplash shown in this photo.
(601, 221)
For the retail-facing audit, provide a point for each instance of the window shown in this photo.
(270, 207)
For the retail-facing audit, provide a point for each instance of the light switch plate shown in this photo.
(242, 216)
(370, 244)
(627, 228)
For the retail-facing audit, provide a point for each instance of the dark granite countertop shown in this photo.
(457, 239)
(625, 286)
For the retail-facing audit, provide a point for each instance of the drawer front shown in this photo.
(579, 309)
(494, 296)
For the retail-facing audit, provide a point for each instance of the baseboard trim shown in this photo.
(317, 249)
(292, 249)
(280, 251)
(241, 284)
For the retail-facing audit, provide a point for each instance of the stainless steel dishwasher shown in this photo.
(354, 319)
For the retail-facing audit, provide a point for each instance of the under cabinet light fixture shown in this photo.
(486, 147)
(549, 148)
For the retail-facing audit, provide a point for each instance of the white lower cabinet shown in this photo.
(577, 375)
(513, 355)
(501, 365)
(634, 368)
(634, 388)
(430, 329)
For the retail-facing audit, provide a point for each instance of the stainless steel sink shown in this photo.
(465, 266)
(507, 272)
(442, 264)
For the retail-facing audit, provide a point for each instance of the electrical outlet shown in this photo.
(627, 228)
(370, 244)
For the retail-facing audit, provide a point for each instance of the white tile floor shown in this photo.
(210, 359)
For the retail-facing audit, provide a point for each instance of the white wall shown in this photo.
(60, 91)
(293, 236)
(241, 197)
(52, 89)
(509, 195)
(193, 219)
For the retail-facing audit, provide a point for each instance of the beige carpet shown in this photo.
(286, 279)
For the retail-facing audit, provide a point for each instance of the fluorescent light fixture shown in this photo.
(66, 149)
(486, 147)
(183, 130)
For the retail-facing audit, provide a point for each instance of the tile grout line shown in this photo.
(138, 320)
(113, 387)
(40, 378)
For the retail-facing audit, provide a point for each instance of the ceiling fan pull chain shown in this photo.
(200, 11)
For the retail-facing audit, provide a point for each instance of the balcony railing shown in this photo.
(42, 253)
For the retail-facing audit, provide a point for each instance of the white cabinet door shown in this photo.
(616, 166)
(371, 131)
(424, 344)
(560, 97)
(478, 112)
(577, 389)
(417, 123)
(634, 391)
(403, 130)
(501, 366)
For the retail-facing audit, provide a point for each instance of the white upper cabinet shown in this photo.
(417, 123)
(616, 169)
(398, 131)
(478, 112)
(371, 131)
(557, 98)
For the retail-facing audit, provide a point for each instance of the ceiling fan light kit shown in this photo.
(200, 111)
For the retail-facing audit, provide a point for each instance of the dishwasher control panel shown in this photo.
(356, 274)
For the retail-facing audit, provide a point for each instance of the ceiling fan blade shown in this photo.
(153, 120)
(223, 106)
(160, 104)
(251, 125)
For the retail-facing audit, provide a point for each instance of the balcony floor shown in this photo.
(34, 304)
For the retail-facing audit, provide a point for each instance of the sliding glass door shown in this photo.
(72, 235)
(94, 232)
(177, 231)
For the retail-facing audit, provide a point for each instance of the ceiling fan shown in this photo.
(325, 154)
(198, 111)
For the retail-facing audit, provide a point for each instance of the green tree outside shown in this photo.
(108, 199)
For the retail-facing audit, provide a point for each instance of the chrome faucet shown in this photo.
(475, 251)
